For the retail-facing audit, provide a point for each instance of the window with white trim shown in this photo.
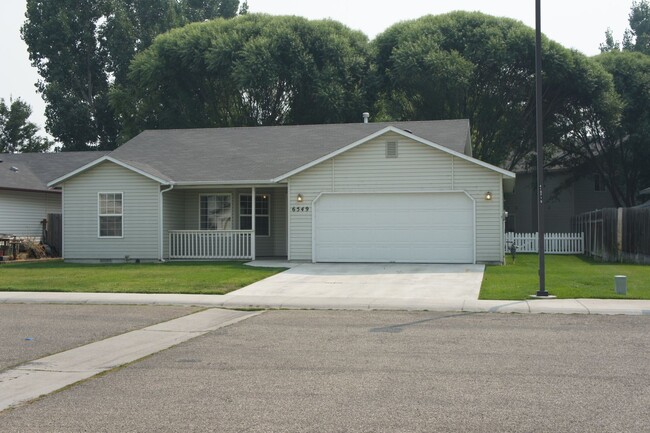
(110, 214)
(215, 212)
(262, 213)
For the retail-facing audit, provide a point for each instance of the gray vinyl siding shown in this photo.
(141, 216)
(21, 212)
(173, 216)
(418, 167)
(309, 184)
(279, 221)
(588, 199)
(476, 181)
(563, 199)
(274, 245)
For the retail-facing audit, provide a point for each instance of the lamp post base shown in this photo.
(542, 295)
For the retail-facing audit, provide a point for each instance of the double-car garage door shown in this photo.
(394, 227)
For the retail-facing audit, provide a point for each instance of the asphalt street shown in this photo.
(31, 331)
(361, 371)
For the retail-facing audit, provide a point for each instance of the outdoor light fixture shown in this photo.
(299, 198)
(488, 195)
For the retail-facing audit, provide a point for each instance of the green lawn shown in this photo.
(183, 277)
(566, 277)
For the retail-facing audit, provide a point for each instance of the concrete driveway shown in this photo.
(361, 282)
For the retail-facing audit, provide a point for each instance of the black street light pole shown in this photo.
(540, 149)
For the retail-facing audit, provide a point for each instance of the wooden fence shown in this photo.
(616, 234)
(554, 243)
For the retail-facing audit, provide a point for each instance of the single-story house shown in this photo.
(366, 192)
(25, 198)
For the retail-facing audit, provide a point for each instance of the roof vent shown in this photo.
(408, 130)
(366, 116)
(391, 149)
(14, 169)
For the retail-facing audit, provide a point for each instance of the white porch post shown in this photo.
(253, 223)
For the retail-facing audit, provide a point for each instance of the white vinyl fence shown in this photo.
(554, 243)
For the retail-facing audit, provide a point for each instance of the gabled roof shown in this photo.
(394, 130)
(262, 154)
(258, 155)
(33, 171)
(136, 167)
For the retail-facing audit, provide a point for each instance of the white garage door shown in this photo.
(394, 227)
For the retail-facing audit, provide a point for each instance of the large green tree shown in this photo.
(82, 47)
(252, 70)
(619, 148)
(471, 65)
(636, 36)
(17, 133)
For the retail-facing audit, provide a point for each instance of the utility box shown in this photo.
(620, 284)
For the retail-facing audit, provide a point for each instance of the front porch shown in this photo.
(211, 244)
(201, 223)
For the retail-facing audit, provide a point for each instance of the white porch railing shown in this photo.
(210, 244)
(554, 243)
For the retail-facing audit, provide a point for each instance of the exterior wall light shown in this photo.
(488, 195)
(299, 199)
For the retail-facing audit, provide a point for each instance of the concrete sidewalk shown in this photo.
(231, 300)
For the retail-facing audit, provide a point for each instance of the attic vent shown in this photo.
(391, 149)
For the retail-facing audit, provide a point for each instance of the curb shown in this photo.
(233, 301)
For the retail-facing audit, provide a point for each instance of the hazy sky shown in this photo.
(578, 24)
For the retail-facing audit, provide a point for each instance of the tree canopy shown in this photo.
(17, 133)
(252, 70)
(636, 36)
(624, 158)
(472, 65)
(111, 68)
(81, 47)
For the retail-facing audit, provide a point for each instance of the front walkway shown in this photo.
(43, 376)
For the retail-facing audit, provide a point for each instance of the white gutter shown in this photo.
(161, 219)
(225, 182)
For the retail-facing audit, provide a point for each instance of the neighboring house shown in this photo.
(25, 198)
(645, 194)
(565, 198)
(376, 192)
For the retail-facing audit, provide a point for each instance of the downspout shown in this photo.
(161, 219)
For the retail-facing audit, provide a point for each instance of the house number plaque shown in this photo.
(299, 208)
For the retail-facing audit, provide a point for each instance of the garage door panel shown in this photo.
(406, 254)
(388, 220)
(394, 227)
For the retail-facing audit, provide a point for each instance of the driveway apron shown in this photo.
(370, 281)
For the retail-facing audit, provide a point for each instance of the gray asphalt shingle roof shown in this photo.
(35, 170)
(262, 153)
